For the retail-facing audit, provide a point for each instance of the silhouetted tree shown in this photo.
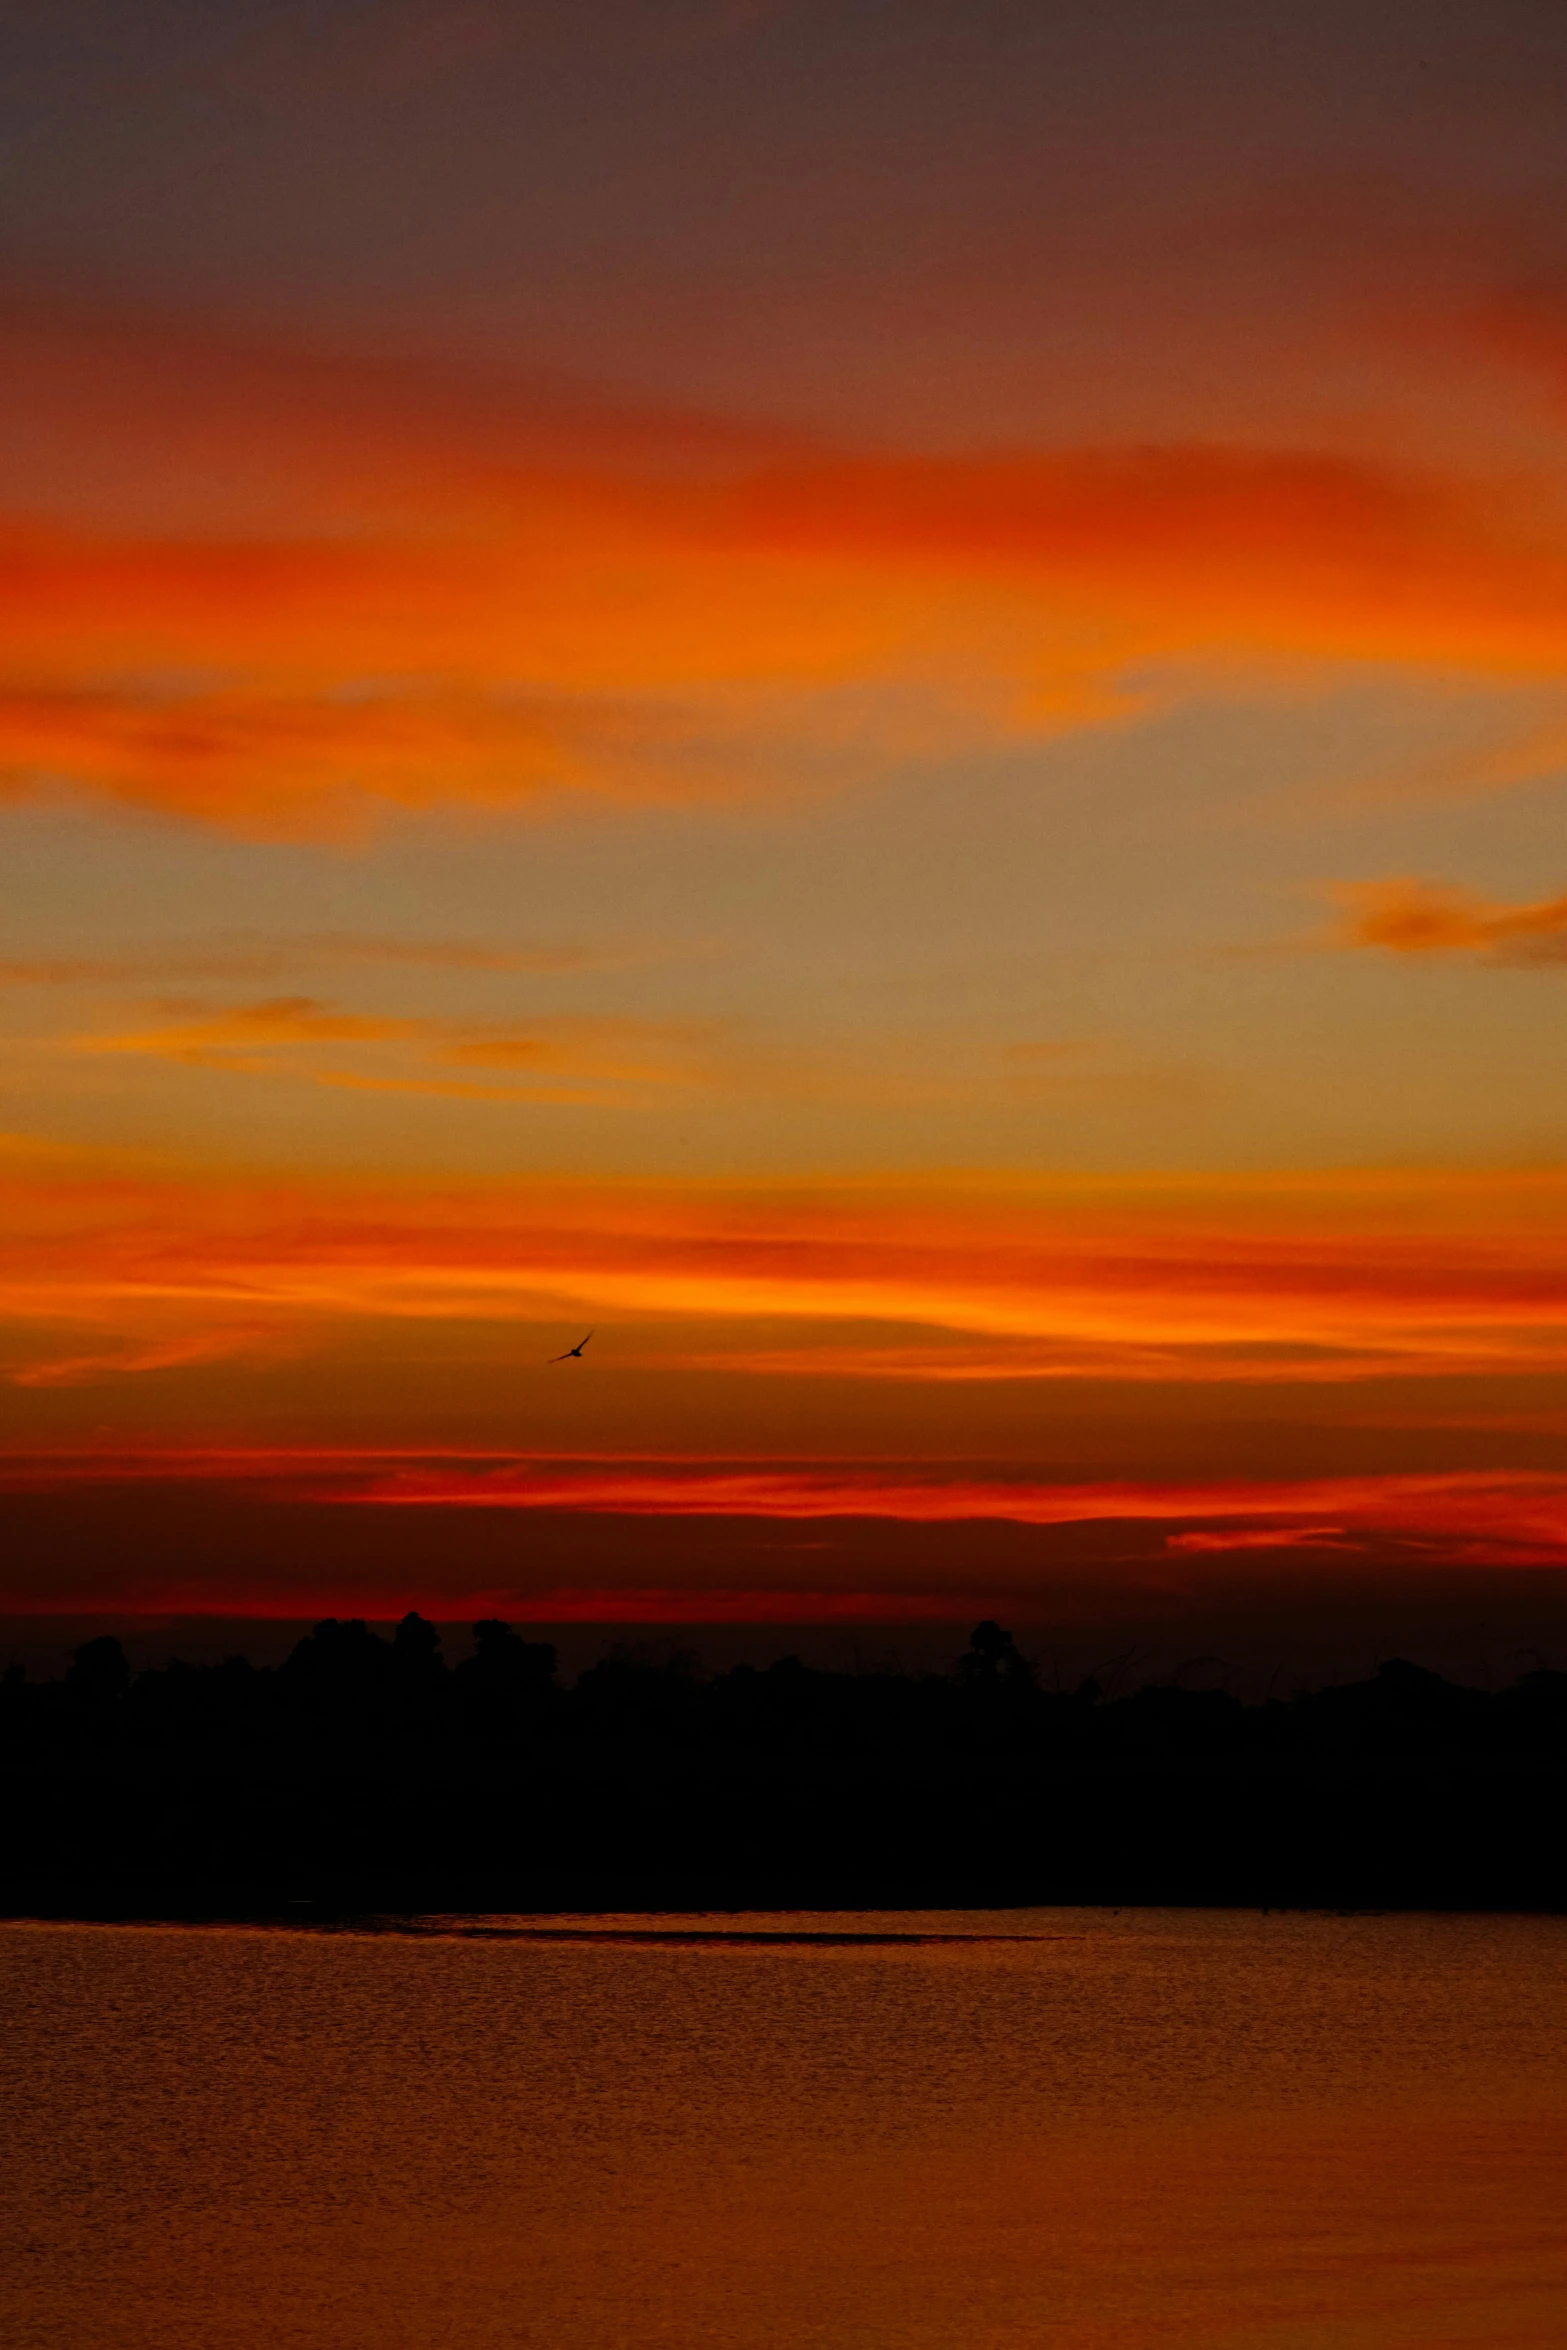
(1164, 1718)
(992, 1655)
(224, 1703)
(99, 1673)
(1534, 1711)
(997, 1688)
(630, 1695)
(339, 1677)
(416, 1648)
(1402, 1709)
(506, 1684)
(365, 1768)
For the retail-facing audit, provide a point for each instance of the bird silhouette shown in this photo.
(572, 1353)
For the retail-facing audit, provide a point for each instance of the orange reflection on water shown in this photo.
(1221, 2130)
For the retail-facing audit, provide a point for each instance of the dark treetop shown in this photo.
(366, 1773)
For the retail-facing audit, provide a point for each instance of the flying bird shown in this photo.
(572, 1353)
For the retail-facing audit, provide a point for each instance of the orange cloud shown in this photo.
(453, 600)
(1288, 550)
(953, 1361)
(300, 761)
(627, 1050)
(1429, 918)
(261, 1038)
(454, 1088)
(1249, 1279)
(620, 1055)
(165, 1354)
(234, 1038)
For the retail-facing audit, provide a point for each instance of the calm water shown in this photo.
(1226, 2131)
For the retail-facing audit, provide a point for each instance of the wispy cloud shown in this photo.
(241, 1036)
(288, 763)
(603, 1058)
(448, 606)
(1258, 1280)
(1411, 917)
(280, 1034)
(1205, 1540)
(257, 958)
(178, 1351)
(1515, 1511)
(1478, 1518)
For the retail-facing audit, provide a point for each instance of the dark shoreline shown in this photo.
(455, 1926)
(442, 1927)
(364, 1778)
(825, 1843)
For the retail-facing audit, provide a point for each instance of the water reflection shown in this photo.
(1003, 2131)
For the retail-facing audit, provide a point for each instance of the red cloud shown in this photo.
(1200, 1542)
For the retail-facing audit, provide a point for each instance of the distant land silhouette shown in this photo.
(365, 1774)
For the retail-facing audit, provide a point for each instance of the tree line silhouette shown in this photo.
(366, 1771)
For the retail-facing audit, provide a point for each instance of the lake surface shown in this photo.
(1074, 2128)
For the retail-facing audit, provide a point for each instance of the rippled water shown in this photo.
(1222, 2131)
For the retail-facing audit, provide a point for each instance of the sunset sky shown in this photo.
(873, 696)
